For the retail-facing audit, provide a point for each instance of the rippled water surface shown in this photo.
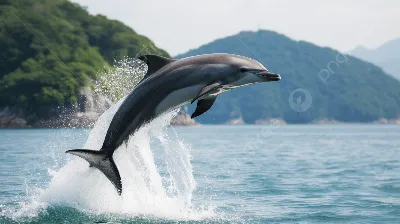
(236, 174)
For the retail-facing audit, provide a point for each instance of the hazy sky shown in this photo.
(180, 25)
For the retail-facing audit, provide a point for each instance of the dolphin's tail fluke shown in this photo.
(103, 161)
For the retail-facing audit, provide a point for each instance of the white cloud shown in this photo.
(180, 25)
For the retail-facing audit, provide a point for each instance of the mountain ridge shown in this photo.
(387, 56)
(342, 87)
(58, 49)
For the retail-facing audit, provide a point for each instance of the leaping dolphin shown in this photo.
(167, 85)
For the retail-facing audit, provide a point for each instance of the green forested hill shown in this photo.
(49, 49)
(342, 87)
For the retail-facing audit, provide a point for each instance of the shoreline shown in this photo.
(11, 120)
(196, 124)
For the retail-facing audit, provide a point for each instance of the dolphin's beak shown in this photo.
(269, 76)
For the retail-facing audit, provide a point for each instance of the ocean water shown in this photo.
(205, 174)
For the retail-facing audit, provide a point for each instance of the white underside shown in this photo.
(249, 78)
(178, 98)
(183, 96)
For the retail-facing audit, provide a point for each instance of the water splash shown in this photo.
(118, 81)
(144, 193)
(148, 189)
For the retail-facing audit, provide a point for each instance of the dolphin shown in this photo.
(167, 85)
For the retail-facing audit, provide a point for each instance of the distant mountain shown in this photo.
(317, 83)
(387, 56)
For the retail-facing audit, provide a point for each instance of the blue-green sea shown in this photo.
(206, 174)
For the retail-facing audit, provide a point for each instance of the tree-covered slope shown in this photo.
(49, 49)
(342, 87)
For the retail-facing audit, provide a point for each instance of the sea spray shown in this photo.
(118, 81)
(144, 191)
(161, 190)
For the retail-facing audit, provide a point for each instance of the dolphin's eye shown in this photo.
(243, 70)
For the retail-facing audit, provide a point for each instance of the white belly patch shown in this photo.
(178, 98)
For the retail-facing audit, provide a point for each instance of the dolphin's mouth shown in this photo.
(269, 76)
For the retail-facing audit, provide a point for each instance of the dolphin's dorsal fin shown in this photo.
(154, 63)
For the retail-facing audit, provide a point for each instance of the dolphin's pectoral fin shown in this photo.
(207, 89)
(203, 106)
(102, 161)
